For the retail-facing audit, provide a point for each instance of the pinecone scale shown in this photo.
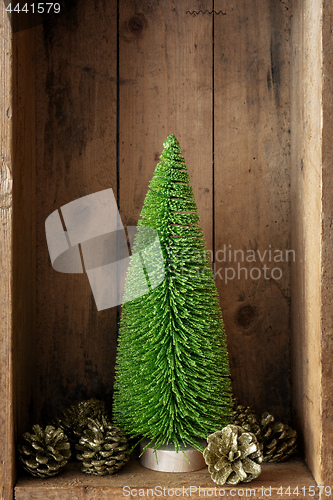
(44, 452)
(233, 455)
(75, 419)
(245, 417)
(277, 440)
(103, 448)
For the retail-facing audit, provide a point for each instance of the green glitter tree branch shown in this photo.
(172, 380)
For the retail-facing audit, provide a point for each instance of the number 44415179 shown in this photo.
(35, 8)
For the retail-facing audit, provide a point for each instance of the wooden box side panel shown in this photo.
(7, 451)
(327, 250)
(306, 180)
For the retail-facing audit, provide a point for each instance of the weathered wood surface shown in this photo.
(306, 180)
(165, 76)
(24, 225)
(71, 484)
(7, 450)
(252, 197)
(326, 346)
(76, 155)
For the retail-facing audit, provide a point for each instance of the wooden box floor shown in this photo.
(136, 481)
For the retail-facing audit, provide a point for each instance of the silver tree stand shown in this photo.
(166, 459)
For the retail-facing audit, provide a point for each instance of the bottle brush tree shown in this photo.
(172, 381)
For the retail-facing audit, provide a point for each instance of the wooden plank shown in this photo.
(252, 197)
(135, 480)
(24, 225)
(306, 226)
(76, 143)
(326, 475)
(7, 450)
(165, 65)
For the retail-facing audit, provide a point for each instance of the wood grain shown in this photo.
(76, 143)
(165, 76)
(326, 348)
(252, 197)
(306, 227)
(24, 226)
(7, 449)
(74, 485)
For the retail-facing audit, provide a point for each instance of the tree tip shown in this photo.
(171, 140)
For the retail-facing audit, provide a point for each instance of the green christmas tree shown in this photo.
(172, 380)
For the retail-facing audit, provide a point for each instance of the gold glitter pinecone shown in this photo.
(278, 440)
(103, 448)
(233, 455)
(44, 452)
(75, 419)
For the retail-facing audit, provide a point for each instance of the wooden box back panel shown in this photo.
(220, 84)
(95, 94)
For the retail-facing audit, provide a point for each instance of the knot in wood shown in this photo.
(136, 24)
(246, 316)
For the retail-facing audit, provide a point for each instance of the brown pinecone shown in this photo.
(75, 419)
(245, 417)
(278, 440)
(103, 448)
(44, 452)
(233, 455)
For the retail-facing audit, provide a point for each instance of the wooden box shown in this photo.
(87, 99)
